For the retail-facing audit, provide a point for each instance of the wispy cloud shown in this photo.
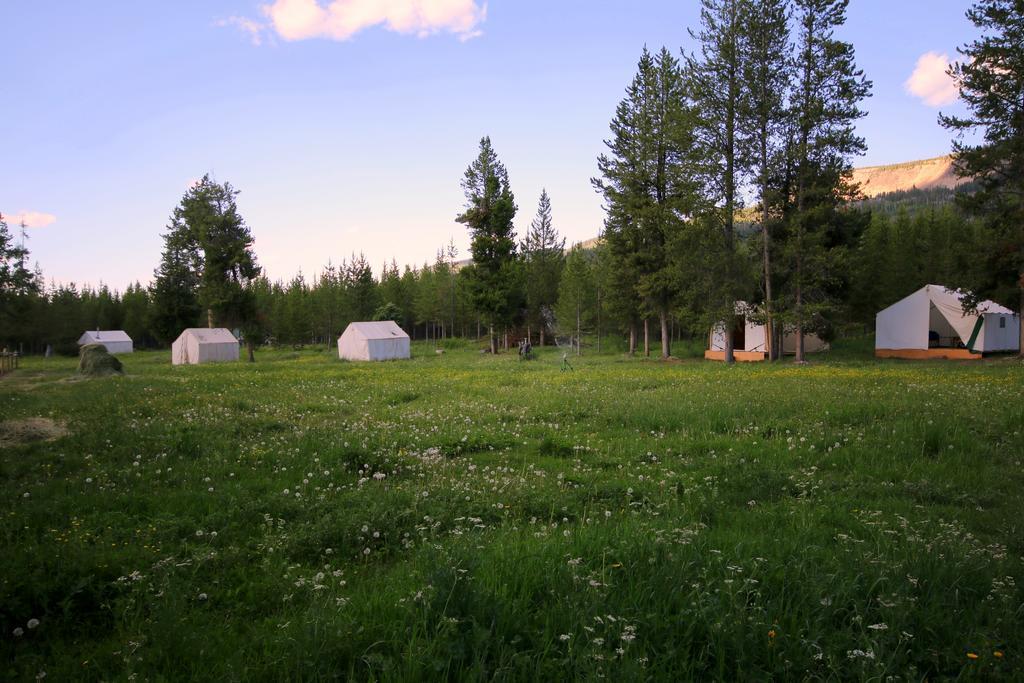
(930, 82)
(254, 29)
(342, 19)
(32, 219)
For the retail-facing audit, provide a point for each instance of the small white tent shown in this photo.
(373, 341)
(931, 323)
(115, 341)
(204, 345)
(750, 340)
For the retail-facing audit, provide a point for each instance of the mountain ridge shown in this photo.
(922, 174)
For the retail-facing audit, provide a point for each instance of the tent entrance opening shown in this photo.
(739, 336)
(941, 334)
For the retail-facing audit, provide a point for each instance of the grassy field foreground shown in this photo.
(466, 517)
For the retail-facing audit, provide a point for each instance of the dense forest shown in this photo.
(891, 255)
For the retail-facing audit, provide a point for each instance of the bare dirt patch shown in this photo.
(29, 429)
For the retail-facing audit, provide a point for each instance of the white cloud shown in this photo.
(33, 219)
(253, 28)
(930, 81)
(342, 19)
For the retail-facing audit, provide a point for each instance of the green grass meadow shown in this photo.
(467, 517)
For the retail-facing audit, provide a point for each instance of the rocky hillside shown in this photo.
(925, 174)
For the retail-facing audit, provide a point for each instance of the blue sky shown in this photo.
(350, 132)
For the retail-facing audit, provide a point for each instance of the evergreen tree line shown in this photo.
(893, 256)
(208, 276)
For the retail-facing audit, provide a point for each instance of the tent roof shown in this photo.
(944, 295)
(109, 335)
(206, 335)
(385, 329)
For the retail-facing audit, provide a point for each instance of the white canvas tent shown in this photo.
(115, 341)
(750, 340)
(204, 345)
(931, 323)
(373, 341)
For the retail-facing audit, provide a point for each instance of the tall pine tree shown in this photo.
(543, 253)
(766, 61)
(17, 282)
(717, 85)
(649, 183)
(175, 290)
(208, 237)
(576, 295)
(490, 207)
(828, 90)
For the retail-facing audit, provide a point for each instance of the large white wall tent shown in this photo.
(115, 341)
(204, 345)
(750, 340)
(931, 323)
(373, 341)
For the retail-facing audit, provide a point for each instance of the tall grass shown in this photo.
(461, 516)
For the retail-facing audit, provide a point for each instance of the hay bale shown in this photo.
(94, 361)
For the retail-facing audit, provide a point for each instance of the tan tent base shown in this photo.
(924, 354)
(740, 356)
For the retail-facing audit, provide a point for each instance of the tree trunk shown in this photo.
(1020, 314)
(493, 339)
(578, 326)
(542, 335)
(730, 185)
(799, 318)
(529, 333)
(632, 339)
(666, 341)
(251, 347)
(769, 329)
(647, 337)
(800, 190)
(799, 290)
(730, 357)
(209, 317)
